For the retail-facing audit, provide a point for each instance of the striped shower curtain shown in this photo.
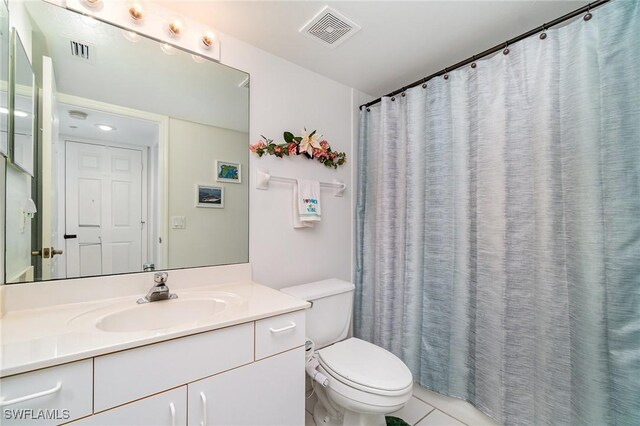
(498, 227)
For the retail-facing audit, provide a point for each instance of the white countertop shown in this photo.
(37, 338)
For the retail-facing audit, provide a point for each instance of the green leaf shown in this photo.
(298, 139)
(288, 137)
(312, 133)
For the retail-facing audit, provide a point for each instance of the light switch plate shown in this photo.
(178, 222)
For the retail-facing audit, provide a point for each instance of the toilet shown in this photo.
(364, 382)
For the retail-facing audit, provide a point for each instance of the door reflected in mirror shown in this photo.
(127, 134)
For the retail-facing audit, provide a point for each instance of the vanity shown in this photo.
(219, 354)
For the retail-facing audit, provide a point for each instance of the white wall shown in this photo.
(212, 236)
(286, 97)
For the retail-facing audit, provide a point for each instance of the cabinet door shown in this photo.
(266, 392)
(166, 408)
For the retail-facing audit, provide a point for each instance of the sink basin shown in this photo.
(159, 315)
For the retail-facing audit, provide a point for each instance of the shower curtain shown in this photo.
(498, 227)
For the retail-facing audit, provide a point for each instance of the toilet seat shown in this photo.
(366, 367)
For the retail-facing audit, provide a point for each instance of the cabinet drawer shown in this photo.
(167, 408)
(279, 334)
(135, 373)
(48, 396)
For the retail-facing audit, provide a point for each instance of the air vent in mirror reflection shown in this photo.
(82, 51)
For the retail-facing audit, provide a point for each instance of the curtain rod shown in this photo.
(497, 48)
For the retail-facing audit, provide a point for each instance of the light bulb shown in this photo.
(208, 39)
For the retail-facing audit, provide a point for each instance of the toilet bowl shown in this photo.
(364, 381)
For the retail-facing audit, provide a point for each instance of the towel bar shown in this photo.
(263, 177)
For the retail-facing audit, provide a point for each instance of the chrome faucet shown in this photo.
(159, 291)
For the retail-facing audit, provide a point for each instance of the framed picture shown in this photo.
(228, 172)
(209, 196)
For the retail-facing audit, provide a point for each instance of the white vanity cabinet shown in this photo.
(251, 373)
(165, 409)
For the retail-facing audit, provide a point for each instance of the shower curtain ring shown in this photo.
(543, 34)
(588, 16)
(446, 73)
(473, 61)
(506, 48)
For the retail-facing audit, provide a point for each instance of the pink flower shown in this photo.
(278, 150)
(324, 145)
(320, 154)
(256, 146)
(292, 149)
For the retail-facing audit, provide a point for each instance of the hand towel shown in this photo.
(309, 200)
(297, 223)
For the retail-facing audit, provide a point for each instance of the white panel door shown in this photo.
(122, 227)
(266, 392)
(103, 209)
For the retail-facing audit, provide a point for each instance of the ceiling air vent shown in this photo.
(330, 28)
(82, 51)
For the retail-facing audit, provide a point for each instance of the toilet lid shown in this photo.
(366, 364)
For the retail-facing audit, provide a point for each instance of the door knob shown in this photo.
(46, 252)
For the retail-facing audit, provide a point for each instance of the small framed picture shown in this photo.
(209, 196)
(228, 172)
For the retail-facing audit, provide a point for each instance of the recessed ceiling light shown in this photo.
(105, 127)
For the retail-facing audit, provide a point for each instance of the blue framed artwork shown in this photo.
(228, 172)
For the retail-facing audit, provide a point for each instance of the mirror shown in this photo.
(22, 104)
(132, 132)
(4, 79)
(20, 207)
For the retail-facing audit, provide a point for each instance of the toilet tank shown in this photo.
(329, 318)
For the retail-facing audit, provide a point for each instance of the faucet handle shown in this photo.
(160, 277)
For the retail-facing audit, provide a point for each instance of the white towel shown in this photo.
(308, 201)
(297, 223)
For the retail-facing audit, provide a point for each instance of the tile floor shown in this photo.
(428, 408)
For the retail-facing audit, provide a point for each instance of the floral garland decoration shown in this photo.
(309, 145)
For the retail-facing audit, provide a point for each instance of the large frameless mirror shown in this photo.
(4, 79)
(141, 157)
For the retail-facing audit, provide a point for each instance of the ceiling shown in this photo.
(127, 130)
(400, 41)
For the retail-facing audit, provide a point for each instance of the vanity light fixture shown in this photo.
(105, 127)
(208, 39)
(136, 12)
(175, 28)
(92, 4)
